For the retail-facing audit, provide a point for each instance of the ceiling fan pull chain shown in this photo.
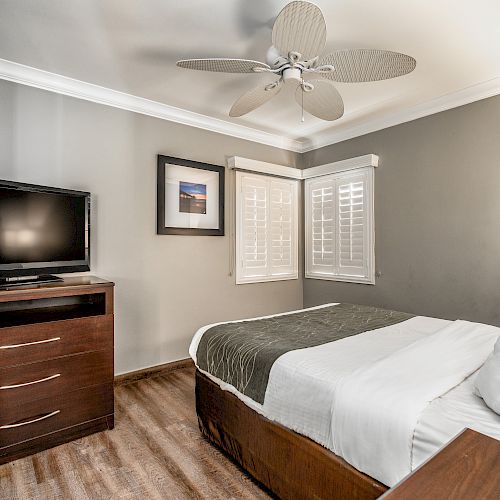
(302, 119)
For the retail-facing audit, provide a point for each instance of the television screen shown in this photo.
(42, 229)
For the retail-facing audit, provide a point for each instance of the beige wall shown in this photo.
(437, 215)
(166, 286)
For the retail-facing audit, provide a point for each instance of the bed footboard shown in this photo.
(288, 464)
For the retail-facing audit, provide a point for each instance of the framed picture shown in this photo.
(190, 197)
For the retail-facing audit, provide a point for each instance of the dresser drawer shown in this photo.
(42, 341)
(43, 416)
(23, 383)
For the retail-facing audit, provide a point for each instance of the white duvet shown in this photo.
(384, 400)
(376, 409)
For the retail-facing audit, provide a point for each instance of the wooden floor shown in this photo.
(155, 451)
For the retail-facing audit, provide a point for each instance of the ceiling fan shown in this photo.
(298, 37)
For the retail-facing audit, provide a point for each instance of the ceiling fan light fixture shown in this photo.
(325, 68)
(307, 86)
(271, 86)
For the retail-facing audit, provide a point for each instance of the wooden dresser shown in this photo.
(56, 364)
(468, 468)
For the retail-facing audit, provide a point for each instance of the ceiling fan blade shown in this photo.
(255, 98)
(366, 65)
(324, 101)
(300, 27)
(222, 65)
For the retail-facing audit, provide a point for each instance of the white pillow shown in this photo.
(487, 382)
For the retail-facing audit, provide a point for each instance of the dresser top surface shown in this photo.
(467, 468)
(67, 283)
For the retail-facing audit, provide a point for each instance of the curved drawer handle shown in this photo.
(30, 343)
(52, 377)
(43, 417)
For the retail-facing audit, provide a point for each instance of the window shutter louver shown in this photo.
(339, 226)
(266, 246)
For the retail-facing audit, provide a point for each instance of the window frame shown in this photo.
(369, 233)
(241, 278)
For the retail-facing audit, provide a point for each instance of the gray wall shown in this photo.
(166, 286)
(437, 216)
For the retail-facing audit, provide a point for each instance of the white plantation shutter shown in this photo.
(266, 228)
(320, 203)
(352, 220)
(283, 204)
(254, 255)
(339, 226)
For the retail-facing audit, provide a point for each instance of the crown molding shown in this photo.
(451, 100)
(33, 77)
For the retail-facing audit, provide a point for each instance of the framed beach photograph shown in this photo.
(190, 197)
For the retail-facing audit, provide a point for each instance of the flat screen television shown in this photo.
(43, 230)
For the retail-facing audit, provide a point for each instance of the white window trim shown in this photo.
(341, 166)
(263, 168)
(240, 278)
(240, 163)
(370, 278)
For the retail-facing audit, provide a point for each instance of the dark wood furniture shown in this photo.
(56, 364)
(466, 469)
(288, 464)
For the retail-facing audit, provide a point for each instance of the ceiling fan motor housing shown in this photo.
(293, 75)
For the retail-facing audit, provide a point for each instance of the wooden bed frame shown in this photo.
(288, 464)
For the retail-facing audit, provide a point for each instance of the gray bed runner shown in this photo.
(243, 353)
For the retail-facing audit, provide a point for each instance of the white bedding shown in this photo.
(302, 384)
(448, 415)
(376, 408)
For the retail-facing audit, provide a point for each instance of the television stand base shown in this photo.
(28, 280)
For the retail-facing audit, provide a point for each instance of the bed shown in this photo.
(339, 400)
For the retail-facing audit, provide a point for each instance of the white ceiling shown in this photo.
(132, 46)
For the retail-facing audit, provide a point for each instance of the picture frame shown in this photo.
(190, 197)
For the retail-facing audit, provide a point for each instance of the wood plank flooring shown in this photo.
(155, 451)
